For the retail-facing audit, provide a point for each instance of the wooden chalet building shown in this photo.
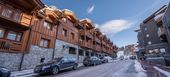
(31, 32)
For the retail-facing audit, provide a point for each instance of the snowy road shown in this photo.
(127, 68)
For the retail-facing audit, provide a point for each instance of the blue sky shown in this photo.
(116, 18)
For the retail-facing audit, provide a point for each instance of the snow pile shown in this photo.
(162, 71)
(140, 70)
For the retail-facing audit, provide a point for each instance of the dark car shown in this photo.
(104, 60)
(91, 61)
(56, 65)
(4, 72)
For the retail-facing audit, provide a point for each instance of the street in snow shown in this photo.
(122, 68)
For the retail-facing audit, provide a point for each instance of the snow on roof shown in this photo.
(68, 10)
(87, 19)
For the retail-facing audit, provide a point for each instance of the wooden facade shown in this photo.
(28, 22)
(68, 28)
(86, 35)
(15, 22)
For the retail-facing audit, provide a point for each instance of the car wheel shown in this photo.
(74, 66)
(55, 70)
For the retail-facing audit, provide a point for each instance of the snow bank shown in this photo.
(140, 70)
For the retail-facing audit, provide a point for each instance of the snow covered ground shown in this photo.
(123, 68)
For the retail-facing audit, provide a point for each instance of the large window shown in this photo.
(7, 13)
(64, 32)
(12, 35)
(19, 37)
(2, 31)
(81, 52)
(72, 50)
(47, 25)
(44, 42)
(149, 42)
(162, 50)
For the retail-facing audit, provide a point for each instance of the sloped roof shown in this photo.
(70, 15)
(87, 22)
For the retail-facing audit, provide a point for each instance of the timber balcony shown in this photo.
(97, 47)
(86, 44)
(7, 45)
(87, 33)
(14, 18)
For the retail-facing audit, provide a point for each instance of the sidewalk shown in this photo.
(30, 72)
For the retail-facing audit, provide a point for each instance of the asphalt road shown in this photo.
(125, 68)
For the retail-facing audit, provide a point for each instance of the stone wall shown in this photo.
(33, 57)
(10, 60)
(60, 50)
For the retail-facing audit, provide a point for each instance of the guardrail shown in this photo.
(161, 72)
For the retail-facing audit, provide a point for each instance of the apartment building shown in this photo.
(151, 36)
(31, 32)
(67, 35)
(15, 24)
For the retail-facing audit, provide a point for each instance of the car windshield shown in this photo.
(57, 59)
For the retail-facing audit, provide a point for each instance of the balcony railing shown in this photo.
(86, 44)
(11, 46)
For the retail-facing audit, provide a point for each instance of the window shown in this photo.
(72, 35)
(87, 53)
(7, 13)
(44, 42)
(47, 25)
(145, 28)
(72, 50)
(151, 51)
(147, 35)
(81, 52)
(71, 24)
(162, 50)
(2, 31)
(17, 17)
(149, 42)
(64, 32)
(19, 37)
(11, 35)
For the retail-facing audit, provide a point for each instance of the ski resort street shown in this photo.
(122, 68)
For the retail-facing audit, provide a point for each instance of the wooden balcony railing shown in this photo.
(86, 44)
(11, 46)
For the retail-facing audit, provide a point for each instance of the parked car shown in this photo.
(57, 65)
(104, 60)
(133, 57)
(4, 72)
(110, 59)
(91, 61)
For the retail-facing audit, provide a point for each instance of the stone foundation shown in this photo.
(35, 55)
(10, 61)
